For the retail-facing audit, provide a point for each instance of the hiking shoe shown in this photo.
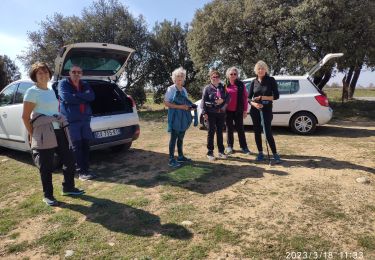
(173, 163)
(245, 151)
(86, 176)
(51, 201)
(276, 158)
(260, 157)
(73, 191)
(182, 159)
(229, 150)
(211, 157)
(222, 156)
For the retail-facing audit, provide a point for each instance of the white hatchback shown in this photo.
(114, 122)
(301, 106)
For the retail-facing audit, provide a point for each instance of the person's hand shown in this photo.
(257, 98)
(205, 116)
(185, 107)
(257, 105)
(219, 101)
(244, 114)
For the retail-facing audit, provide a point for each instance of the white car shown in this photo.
(301, 106)
(115, 121)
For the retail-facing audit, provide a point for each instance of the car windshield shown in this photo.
(95, 62)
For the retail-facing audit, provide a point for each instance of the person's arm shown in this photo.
(87, 94)
(28, 107)
(252, 98)
(169, 104)
(245, 101)
(66, 93)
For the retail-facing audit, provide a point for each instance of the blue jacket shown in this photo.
(73, 101)
(178, 119)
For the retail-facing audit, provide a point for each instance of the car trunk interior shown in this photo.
(109, 99)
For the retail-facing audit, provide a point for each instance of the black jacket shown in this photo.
(210, 94)
(268, 87)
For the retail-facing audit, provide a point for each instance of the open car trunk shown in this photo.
(112, 99)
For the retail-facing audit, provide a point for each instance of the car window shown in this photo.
(247, 85)
(6, 97)
(287, 86)
(22, 87)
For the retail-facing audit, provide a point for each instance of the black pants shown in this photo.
(46, 159)
(215, 123)
(237, 118)
(179, 137)
(268, 116)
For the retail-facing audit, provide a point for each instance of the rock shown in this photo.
(363, 180)
(243, 182)
(69, 253)
(4, 160)
(187, 223)
(111, 243)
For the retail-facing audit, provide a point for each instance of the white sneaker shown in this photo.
(229, 150)
(222, 156)
(211, 157)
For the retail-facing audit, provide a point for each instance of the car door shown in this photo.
(6, 103)
(285, 105)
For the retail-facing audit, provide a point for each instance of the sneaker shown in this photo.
(73, 191)
(85, 176)
(260, 157)
(222, 156)
(51, 201)
(229, 150)
(245, 151)
(276, 158)
(173, 163)
(183, 159)
(211, 157)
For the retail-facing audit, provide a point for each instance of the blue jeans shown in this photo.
(179, 137)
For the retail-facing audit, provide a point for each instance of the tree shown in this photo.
(168, 51)
(104, 21)
(8, 71)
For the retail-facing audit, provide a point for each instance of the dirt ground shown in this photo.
(309, 207)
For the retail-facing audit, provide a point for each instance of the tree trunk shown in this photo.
(345, 85)
(324, 80)
(353, 82)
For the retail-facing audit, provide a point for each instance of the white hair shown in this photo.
(232, 69)
(178, 71)
(261, 64)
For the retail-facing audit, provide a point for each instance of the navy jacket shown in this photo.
(74, 104)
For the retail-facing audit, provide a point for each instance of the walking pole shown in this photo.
(265, 135)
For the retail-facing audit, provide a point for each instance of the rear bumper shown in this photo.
(128, 134)
(325, 116)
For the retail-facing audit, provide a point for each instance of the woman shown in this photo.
(214, 102)
(263, 90)
(40, 105)
(179, 116)
(236, 110)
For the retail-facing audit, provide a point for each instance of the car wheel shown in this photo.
(121, 147)
(303, 123)
(204, 123)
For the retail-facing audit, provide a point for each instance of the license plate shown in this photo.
(107, 133)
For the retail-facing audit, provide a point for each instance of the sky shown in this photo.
(21, 16)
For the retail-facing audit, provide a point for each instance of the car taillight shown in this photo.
(322, 100)
(133, 102)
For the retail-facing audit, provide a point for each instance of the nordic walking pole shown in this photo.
(265, 135)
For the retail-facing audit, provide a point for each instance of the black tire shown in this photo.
(204, 123)
(121, 147)
(303, 123)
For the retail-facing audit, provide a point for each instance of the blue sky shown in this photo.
(20, 16)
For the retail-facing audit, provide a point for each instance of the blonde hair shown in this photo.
(178, 71)
(261, 64)
(227, 73)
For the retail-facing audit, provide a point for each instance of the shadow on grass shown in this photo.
(125, 219)
(347, 132)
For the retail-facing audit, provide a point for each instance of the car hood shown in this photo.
(101, 61)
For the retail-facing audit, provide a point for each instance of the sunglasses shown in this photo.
(215, 77)
(233, 74)
(76, 72)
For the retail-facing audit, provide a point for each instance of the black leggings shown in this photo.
(258, 129)
(179, 137)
